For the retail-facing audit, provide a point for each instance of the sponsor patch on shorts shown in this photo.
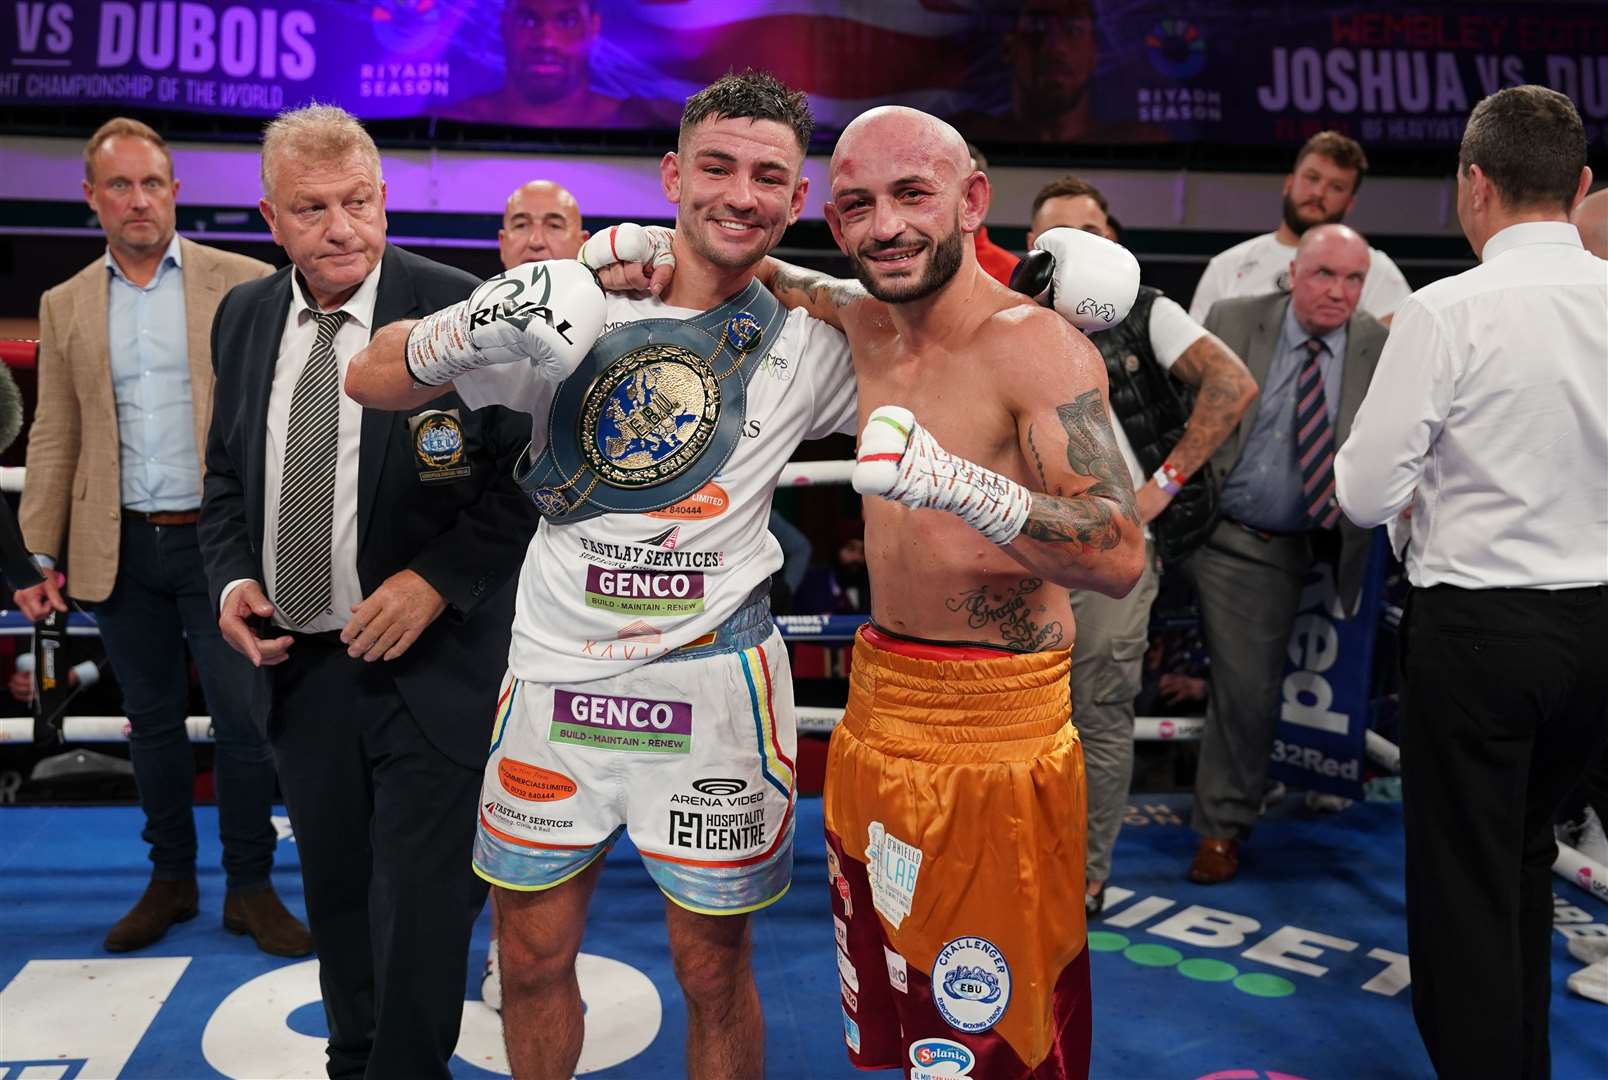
(851, 1032)
(940, 1059)
(532, 783)
(840, 930)
(606, 722)
(892, 866)
(898, 972)
(971, 984)
(851, 977)
(645, 592)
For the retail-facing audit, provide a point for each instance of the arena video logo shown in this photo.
(719, 785)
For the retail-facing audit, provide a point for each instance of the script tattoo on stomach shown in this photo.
(1010, 614)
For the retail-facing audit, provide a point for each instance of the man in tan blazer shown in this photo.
(114, 469)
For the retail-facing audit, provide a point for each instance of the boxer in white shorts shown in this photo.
(648, 689)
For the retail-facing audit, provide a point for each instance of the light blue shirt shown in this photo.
(147, 336)
(1264, 489)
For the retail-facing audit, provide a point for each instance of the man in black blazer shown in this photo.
(380, 635)
(1307, 348)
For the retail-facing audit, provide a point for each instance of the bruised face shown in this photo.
(904, 196)
(1326, 278)
(736, 185)
(1318, 192)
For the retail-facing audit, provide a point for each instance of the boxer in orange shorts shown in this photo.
(954, 792)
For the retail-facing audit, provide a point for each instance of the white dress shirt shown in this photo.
(295, 345)
(1488, 415)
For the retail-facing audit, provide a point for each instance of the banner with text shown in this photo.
(1018, 71)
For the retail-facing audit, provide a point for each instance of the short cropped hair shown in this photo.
(1529, 140)
(1343, 150)
(125, 127)
(751, 95)
(315, 133)
(1069, 187)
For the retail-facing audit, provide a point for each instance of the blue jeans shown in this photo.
(159, 604)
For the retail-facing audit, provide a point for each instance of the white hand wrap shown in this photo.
(629, 242)
(548, 313)
(899, 460)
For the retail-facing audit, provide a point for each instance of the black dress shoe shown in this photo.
(162, 904)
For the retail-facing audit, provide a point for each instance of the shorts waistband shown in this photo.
(902, 702)
(930, 649)
(748, 626)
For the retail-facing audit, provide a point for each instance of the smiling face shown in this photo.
(904, 196)
(736, 185)
(329, 216)
(133, 195)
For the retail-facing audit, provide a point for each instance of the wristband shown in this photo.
(1168, 478)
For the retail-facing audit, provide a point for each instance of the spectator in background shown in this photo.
(795, 562)
(1488, 419)
(1165, 441)
(1312, 352)
(547, 45)
(995, 260)
(114, 468)
(1320, 190)
(541, 221)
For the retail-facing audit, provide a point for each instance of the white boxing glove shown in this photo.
(548, 313)
(899, 460)
(1095, 281)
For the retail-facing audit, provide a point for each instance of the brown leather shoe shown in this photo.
(1215, 861)
(161, 905)
(259, 913)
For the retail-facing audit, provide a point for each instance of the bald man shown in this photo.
(954, 798)
(1312, 353)
(541, 221)
(1591, 218)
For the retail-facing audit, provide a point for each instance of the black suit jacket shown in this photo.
(466, 537)
(1250, 326)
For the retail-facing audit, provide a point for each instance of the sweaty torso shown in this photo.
(932, 575)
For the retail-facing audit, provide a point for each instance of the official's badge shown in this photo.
(743, 332)
(649, 415)
(438, 445)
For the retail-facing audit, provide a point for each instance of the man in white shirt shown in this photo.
(1483, 441)
(648, 688)
(1320, 190)
(1154, 422)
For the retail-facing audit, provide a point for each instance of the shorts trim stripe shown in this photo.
(781, 834)
(695, 909)
(522, 842)
(505, 709)
(772, 760)
(544, 886)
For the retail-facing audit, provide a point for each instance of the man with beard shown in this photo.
(648, 687)
(547, 45)
(1320, 190)
(955, 793)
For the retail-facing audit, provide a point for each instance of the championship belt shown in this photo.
(652, 413)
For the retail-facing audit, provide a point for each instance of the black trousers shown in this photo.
(1505, 700)
(385, 824)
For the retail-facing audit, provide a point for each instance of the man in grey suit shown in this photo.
(1312, 354)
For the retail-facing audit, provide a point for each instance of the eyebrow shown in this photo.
(731, 159)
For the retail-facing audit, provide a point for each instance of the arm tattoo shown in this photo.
(1009, 613)
(1224, 392)
(1037, 461)
(1090, 518)
(821, 290)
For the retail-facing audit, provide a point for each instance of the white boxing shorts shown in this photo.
(692, 754)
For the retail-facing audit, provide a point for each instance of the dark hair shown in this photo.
(751, 95)
(1068, 187)
(1343, 150)
(1530, 142)
(979, 162)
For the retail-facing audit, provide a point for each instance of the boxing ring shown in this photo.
(1296, 969)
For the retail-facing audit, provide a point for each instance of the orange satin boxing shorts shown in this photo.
(955, 821)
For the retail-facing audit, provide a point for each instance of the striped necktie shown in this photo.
(1314, 441)
(304, 539)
